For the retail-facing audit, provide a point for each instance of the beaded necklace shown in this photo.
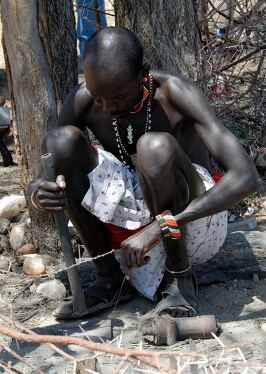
(121, 148)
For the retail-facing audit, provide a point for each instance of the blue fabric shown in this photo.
(86, 23)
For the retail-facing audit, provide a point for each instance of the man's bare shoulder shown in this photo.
(168, 79)
(81, 96)
(77, 103)
(179, 92)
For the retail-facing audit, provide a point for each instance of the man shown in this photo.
(150, 187)
(5, 123)
(86, 21)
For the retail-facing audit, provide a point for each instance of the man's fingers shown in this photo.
(130, 257)
(126, 270)
(139, 258)
(133, 259)
(49, 186)
(54, 209)
(61, 182)
(51, 195)
(127, 258)
(54, 203)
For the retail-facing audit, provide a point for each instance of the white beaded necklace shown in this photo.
(121, 148)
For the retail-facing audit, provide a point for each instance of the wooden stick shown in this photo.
(20, 358)
(137, 354)
(9, 369)
(23, 328)
(21, 291)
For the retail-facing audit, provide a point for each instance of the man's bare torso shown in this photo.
(165, 118)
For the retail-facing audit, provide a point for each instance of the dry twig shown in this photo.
(28, 331)
(22, 359)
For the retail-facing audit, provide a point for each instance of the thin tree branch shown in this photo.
(136, 354)
(23, 328)
(22, 359)
(246, 57)
(9, 369)
(93, 9)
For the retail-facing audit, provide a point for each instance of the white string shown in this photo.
(178, 272)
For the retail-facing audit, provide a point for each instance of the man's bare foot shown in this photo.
(179, 296)
(104, 292)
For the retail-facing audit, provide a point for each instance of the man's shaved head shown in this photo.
(114, 49)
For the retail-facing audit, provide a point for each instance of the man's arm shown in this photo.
(241, 177)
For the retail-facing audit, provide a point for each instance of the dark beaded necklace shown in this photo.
(121, 148)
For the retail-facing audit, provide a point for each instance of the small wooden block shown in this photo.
(81, 367)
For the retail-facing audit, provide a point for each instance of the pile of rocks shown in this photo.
(17, 250)
(14, 223)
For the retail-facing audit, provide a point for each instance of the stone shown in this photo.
(263, 327)
(4, 263)
(21, 217)
(53, 289)
(26, 249)
(33, 265)
(4, 243)
(11, 205)
(256, 278)
(4, 225)
(18, 235)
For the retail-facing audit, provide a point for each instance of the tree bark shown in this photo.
(168, 30)
(41, 60)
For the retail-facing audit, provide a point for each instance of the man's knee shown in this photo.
(156, 150)
(65, 144)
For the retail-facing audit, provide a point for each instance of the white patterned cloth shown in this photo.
(115, 197)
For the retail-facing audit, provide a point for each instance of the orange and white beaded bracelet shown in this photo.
(168, 225)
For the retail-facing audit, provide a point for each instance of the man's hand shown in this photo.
(135, 248)
(51, 196)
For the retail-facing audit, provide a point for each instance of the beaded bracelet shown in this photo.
(168, 225)
(34, 202)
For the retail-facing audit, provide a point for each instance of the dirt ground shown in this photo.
(237, 299)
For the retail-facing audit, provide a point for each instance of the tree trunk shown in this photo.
(168, 30)
(41, 61)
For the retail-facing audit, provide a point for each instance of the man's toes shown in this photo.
(179, 312)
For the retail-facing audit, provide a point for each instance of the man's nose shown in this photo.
(109, 106)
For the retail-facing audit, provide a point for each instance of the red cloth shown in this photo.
(118, 234)
(216, 176)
